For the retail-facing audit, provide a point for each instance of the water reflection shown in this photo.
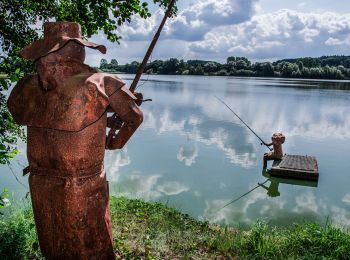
(187, 154)
(271, 185)
(227, 212)
(264, 107)
(192, 152)
(114, 161)
(210, 132)
(272, 189)
(346, 198)
(211, 155)
(148, 187)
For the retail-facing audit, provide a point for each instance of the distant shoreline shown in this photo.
(325, 67)
(347, 80)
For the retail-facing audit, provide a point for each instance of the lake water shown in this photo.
(192, 153)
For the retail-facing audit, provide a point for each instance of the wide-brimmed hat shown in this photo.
(56, 36)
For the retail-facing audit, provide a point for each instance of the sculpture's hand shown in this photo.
(139, 97)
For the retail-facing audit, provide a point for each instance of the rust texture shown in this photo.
(277, 153)
(64, 107)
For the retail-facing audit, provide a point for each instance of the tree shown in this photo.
(240, 65)
(103, 64)
(264, 69)
(287, 69)
(114, 62)
(199, 70)
(231, 59)
(21, 23)
(237, 63)
(211, 67)
(170, 66)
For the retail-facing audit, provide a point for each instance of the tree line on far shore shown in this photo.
(325, 67)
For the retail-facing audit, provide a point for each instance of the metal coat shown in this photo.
(64, 107)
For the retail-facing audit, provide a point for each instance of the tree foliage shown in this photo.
(241, 66)
(21, 23)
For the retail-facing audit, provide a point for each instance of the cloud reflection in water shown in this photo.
(191, 117)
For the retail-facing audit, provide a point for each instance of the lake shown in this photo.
(192, 153)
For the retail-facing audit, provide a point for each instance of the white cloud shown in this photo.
(216, 136)
(281, 34)
(167, 124)
(324, 122)
(193, 22)
(114, 160)
(337, 42)
(140, 186)
(346, 198)
(187, 155)
(218, 29)
(241, 212)
(140, 29)
(214, 212)
(148, 187)
(340, 217)
(306, 202)
(172, 188)
(205, 15)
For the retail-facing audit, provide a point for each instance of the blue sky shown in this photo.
(257, 29)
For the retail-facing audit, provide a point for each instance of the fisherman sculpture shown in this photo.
(277, 153)
(64, 107)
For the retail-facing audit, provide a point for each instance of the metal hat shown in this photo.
(56, 36)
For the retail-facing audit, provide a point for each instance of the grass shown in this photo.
(154, 231)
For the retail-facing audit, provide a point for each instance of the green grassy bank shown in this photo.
(154, 231)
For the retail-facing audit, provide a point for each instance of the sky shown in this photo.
(261, 30)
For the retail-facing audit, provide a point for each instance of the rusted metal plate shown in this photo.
(296, 166)
(298, 162)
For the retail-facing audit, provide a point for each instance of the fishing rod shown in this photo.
(262, 142)
(245, 194)
(142, 67)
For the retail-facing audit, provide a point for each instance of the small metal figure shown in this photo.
(277, 153)
(64, 107)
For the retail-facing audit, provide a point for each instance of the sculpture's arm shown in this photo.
(125, 107)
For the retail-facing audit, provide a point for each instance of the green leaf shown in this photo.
(35, 246)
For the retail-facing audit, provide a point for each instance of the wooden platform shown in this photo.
(295, 166)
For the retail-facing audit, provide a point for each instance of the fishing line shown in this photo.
(12, 171)
(262, 142)
(145, 81)
(233, 201)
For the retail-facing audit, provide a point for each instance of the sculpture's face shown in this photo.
(278, 138)
(73, 50)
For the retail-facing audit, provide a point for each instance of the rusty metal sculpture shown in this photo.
(64, 107)
(277, 153)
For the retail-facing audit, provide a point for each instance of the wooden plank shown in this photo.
(296, 166)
